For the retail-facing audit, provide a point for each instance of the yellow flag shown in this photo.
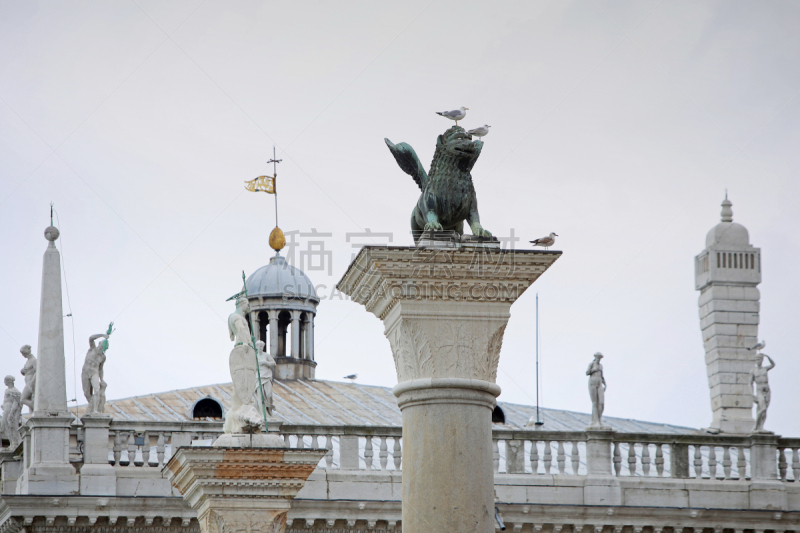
(261, 183)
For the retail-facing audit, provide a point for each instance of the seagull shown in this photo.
(547, 242)
(759, 346)
(455, 114)
(351, 377)
(480, 132)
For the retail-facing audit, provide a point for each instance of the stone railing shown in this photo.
(134, 444)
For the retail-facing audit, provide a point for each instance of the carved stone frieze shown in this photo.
(243, 521)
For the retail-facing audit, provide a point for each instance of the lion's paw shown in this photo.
(433, 226)
(480, 232)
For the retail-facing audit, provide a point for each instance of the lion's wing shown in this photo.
(407, 158)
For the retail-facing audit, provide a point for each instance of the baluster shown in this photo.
(160, 449)
(576, 458)
(368, 453)
(698, 462)
(515, 456)
(659, 461)
(632, 459)
(712, 462)
(495, 456)
(146, 449)
(329, 455)
(301, 442)
(782, 463)
(117, 447)
(314, 442)
(561, 457)
(796, 464)
(617, 459)
(726, 462)
(534, 457)
(741, 463)
(384, 453)
(397, 453)
(548, 456)
(646, 459)
(131, 449)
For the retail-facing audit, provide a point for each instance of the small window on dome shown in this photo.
(207, 408)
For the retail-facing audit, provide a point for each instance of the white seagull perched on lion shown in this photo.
(455, 114)
(481, 131)
(547, 242)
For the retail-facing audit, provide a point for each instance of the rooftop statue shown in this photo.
(758, 377)
(448, 196)
(12, 410)
(597, 390)
(29, 373)
(243, 416)
(94, 388)
(266, 367)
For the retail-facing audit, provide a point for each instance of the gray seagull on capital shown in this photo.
(481, 131)
(759, 346)
(547, 242)
(455, 114)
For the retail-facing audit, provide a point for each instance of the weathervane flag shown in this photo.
(261, 184)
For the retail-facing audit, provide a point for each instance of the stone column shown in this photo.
(50, 471)
(273, 332)
(98, 478)
(241, 489)
(311, 336)
(295, 334)
(256, 325)
(444, 313)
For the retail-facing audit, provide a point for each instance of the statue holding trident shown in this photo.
(94, 388)
(245, 372)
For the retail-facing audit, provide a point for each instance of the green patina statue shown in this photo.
(448, 196)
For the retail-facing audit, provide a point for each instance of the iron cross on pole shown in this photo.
(275, 162)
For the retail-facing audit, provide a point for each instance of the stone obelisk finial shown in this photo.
(51, 383)
(50, 470)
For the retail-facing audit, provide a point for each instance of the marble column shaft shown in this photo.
(295, 334)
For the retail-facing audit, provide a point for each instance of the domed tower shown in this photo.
(726, 274)
(283, 304)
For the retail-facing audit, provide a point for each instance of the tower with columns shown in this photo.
(283, 304)
(727, 274)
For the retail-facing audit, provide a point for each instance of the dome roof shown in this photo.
(727, 232)
(279, 279)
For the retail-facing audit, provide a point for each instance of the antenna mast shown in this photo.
(538, 420)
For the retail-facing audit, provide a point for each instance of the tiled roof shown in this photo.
(352, 404)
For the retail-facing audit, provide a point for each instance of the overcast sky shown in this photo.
(618, 125)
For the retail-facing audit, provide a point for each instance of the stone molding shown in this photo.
(381, 276)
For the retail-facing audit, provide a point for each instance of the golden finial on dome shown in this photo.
(268, 185)
(276, 239)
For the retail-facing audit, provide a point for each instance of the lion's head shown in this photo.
(455, 149)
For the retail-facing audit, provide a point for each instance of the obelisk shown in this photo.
(445, 312)
(50, 471)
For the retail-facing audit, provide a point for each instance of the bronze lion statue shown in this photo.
(448, 196)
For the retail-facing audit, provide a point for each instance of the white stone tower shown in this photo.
(727, 273)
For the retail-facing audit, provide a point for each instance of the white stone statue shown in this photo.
(762, 396)
(244, 416)
(266, 367)
(94, 388)
(597, 388)
(29, 372)
(12, 410)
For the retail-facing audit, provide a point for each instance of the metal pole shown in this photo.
(538, 420)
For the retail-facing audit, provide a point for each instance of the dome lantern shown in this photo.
(283, 303)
